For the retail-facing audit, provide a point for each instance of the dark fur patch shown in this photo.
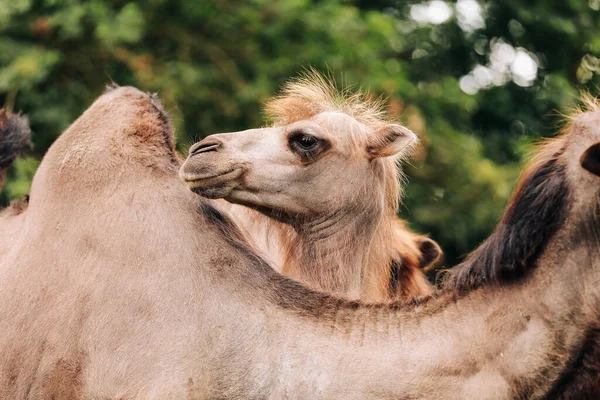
(15, 138)
(395, 276)
(225, 225)
(431, 253)
(582, 380)
(65, 381)
(537, 211)
(110, 87)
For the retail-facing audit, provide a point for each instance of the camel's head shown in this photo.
(308, 167)
(317, 160)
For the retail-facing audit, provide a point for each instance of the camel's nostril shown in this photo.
(204, 146)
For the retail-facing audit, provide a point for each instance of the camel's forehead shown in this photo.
(335, 117)
(339, 124)
(588, 121)
(585, 132)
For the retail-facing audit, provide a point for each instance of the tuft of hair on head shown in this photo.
(312, 93)
(15, 137)
(585, 103)
(588, 103)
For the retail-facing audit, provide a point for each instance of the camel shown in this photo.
(407, 253)
(318, 192)
(122, 284)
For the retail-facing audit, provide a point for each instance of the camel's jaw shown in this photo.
(209, 180)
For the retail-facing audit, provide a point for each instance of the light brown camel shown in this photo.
(121, 284)
(324, 182)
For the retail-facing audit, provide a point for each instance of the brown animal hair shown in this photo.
(143, 297)
(312, 93)
(582, 380)
(15, 139)
(514, 246)
(412, 253)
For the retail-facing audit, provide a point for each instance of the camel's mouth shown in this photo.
(202, 181)
(212, 185)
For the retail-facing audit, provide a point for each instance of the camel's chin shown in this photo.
(213, 186)
(213, 192)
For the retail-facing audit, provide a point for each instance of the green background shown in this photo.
(214, 62)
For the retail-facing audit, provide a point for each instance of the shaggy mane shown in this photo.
(535, 213)
(541, 196)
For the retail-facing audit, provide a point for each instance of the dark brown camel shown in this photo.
(15, 139)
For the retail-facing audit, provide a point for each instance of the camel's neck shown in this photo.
(345, 253)
(342, 253)
(265, 235)
(490, 343)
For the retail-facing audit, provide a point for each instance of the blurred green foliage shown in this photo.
(213, 63)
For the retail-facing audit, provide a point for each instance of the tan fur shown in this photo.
(332, 263)
(120, 284)
(276, 242)
(312, 94)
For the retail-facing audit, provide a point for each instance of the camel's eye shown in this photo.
(306, 146)
(303, 141)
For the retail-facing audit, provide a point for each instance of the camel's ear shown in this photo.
(15, 137)
(430, 252)
(590, 159)
(390, 140)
